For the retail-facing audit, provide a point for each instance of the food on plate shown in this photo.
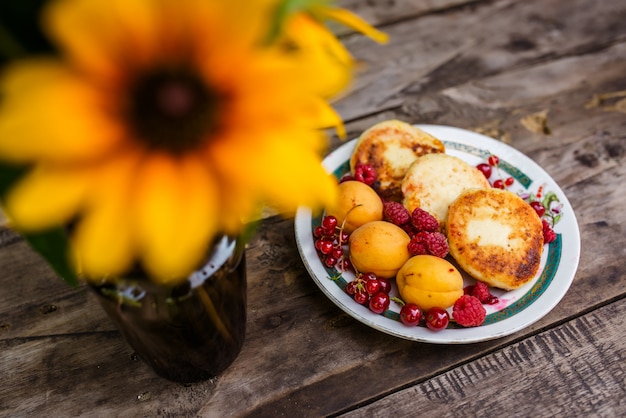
(390, 147)
(357, 204)
(434, 181)
(496, 237)
(379, 247)
(429, 282)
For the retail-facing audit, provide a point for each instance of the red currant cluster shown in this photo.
(468, 310)
(368, 289)
(549, 210)
(435, 318)
(493, 162)
(330, 239)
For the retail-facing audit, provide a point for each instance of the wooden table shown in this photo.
(480, 65)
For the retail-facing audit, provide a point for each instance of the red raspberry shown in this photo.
(481, 291)
(365, 173)
(468, 311)
(548, 233)
(434, 243)
(424, 221)
(395, 213)
(409, 229)
(417, 247)
(437, 244)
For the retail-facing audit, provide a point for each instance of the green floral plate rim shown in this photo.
(516, 309)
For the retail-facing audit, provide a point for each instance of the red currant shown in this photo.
(508, 182)
(385, 284)
(345, 264)
(493, 160)
(337, 252)
(498, 184)
(330, 261)
(548, 233)
(437, 319)
(538, 207)
(351, 288)
(361, 297)
(485, 169)
(372, 286)
(318, 232)
(325, 246)
(329, 223)
(379, 302)
(410, 314)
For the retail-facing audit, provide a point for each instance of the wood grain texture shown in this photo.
(472, 42)
(575, 369)
(479, 65)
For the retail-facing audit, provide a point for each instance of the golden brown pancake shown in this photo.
(390, 147)
(434, 181)
(496, 237)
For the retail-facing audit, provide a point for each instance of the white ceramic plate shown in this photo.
(516, 309)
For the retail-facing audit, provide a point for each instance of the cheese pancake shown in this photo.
(496, 237)
(390, 147)
(434, 181)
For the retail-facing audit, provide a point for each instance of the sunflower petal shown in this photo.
(347, 18)
(46, 197)
(175, 214)
(99, 39)
(104, 240)
(51, 114)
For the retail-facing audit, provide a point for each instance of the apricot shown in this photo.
(357, 204)
(379, 247)
(429, 282)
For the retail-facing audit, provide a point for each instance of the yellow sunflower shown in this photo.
(165, 123)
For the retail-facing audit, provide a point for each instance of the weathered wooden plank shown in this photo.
(92, 374)
(377, 12)
(576, 369)
(429, 53)
(36, 302)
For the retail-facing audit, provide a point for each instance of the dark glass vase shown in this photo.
(190, 332)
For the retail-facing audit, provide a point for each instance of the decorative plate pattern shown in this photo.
(516, 309)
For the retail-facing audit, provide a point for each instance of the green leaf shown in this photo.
(284, 10)
(53, 246)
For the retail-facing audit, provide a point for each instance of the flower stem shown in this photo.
(215, 317)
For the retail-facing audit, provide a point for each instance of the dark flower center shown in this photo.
(173, 110)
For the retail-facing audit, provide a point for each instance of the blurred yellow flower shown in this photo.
(303, 27)
(165, 123)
